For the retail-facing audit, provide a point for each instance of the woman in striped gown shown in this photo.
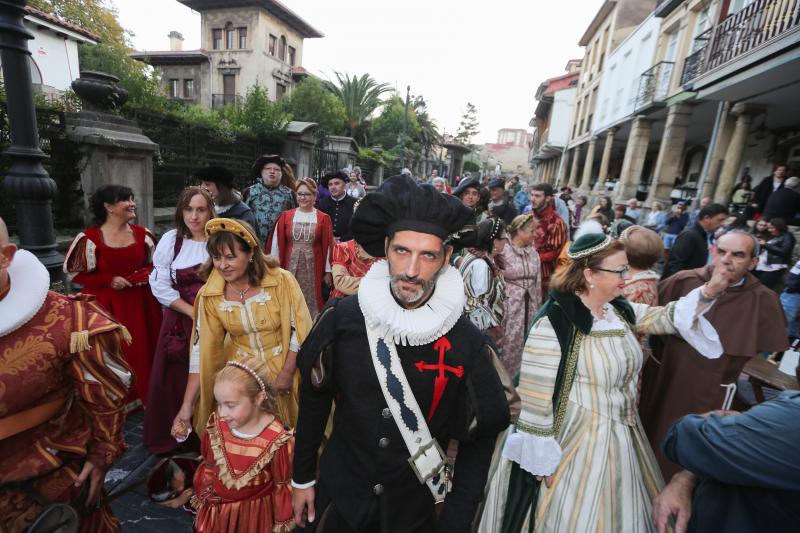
(579, 459)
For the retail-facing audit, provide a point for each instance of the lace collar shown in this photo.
(30, 283)
(411, 327)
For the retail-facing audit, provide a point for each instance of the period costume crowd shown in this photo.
(312, 355)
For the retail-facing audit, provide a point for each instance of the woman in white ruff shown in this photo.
(578, 459)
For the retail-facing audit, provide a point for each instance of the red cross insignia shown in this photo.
(440, 382)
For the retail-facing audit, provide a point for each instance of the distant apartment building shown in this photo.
(243, 43)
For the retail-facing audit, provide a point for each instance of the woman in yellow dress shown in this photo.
(248, 307)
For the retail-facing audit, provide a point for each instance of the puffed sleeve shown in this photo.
(313, 360)
(533, 446)
(683, 317)
(80, 264)
(281, 470)
(102, 380)
(161, 276)
(343, 281)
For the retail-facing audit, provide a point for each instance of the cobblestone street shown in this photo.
(134, 509)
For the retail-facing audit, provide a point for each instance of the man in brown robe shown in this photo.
(677, 380)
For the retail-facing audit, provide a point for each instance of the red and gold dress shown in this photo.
(66, 350)
(93, 265)
(350, 263)
(244, 484)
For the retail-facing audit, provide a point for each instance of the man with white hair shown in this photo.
(633, 210)
(784, 202)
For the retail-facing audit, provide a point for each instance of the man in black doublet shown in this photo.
(365, 481)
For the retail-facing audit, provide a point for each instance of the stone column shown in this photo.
(605, 161)
(733, 155)
(587, 167)
(633, 163)
(573, 171)
(669, 153)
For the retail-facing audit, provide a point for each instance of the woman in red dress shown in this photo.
(302, 239)
(112, 261)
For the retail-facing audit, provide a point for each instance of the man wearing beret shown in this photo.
(408, 372)
(268, 197)
(339, 205)
(469, 192)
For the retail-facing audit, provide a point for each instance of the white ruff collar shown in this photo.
(413, 327)
(30, 283)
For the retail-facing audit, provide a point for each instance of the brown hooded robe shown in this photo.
(678, 381)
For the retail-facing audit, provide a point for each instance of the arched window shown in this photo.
(282, 48)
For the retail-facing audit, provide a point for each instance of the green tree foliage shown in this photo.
(428, 135)
(361, 96)
(469, 125)
(387, 129)
(257, 115)
(311, 101)
(111, 55)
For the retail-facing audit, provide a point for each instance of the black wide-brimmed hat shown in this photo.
(263, 160)
(400, 204)
(216, 174)
(473, 182)
(336, 174)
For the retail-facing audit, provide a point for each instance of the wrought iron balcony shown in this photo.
(221, 100)
(654, 85)
(760, 22)
(695, 62)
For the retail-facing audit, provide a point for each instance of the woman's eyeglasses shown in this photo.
(621, 272)
(304, 194)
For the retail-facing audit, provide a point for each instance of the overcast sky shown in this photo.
(493, 54)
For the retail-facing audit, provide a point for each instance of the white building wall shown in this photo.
(561, 114)
(56, 57)
(620, 84)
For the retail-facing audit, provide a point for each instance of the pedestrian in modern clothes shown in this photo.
(776, 253)
(691, 247)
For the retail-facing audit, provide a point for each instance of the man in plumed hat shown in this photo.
(218, 181)
(339, 205)
(408, 373)
(268, 197)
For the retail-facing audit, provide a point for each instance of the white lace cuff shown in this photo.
(194, 359)
(693, 326)
(538, 455)
(303, 485)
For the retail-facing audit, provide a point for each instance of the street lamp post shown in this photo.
(27, 182)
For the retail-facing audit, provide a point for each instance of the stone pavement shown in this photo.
(134, 509)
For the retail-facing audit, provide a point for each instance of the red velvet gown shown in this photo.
(94, 265)
(244, 484)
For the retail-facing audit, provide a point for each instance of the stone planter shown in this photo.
(99, 91)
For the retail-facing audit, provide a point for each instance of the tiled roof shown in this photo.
(64, 24)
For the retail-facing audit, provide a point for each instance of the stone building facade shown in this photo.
(242, 44)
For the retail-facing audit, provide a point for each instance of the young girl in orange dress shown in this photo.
(244, 482)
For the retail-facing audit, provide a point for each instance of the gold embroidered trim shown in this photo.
(594, 249)
(560, 410)
(608, 333)
(226, 475)
(283, 527)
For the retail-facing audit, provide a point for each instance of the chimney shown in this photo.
(175, 41)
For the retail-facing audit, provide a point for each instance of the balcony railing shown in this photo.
(221, 100)
(696, 61)
(756, 24)
(654, 84)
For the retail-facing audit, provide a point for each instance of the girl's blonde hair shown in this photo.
(233, 372)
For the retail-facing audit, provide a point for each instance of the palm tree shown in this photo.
(428, 135)
(361, 96)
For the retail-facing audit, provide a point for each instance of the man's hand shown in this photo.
(303, 506)
(675, 499)
(96, 476)
(720, 412)
(720, 280)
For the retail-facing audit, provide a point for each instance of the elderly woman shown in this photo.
(579, 429)
(303, 242)
(521, 271)
(248, 306)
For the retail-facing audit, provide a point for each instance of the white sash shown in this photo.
(427, 459)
